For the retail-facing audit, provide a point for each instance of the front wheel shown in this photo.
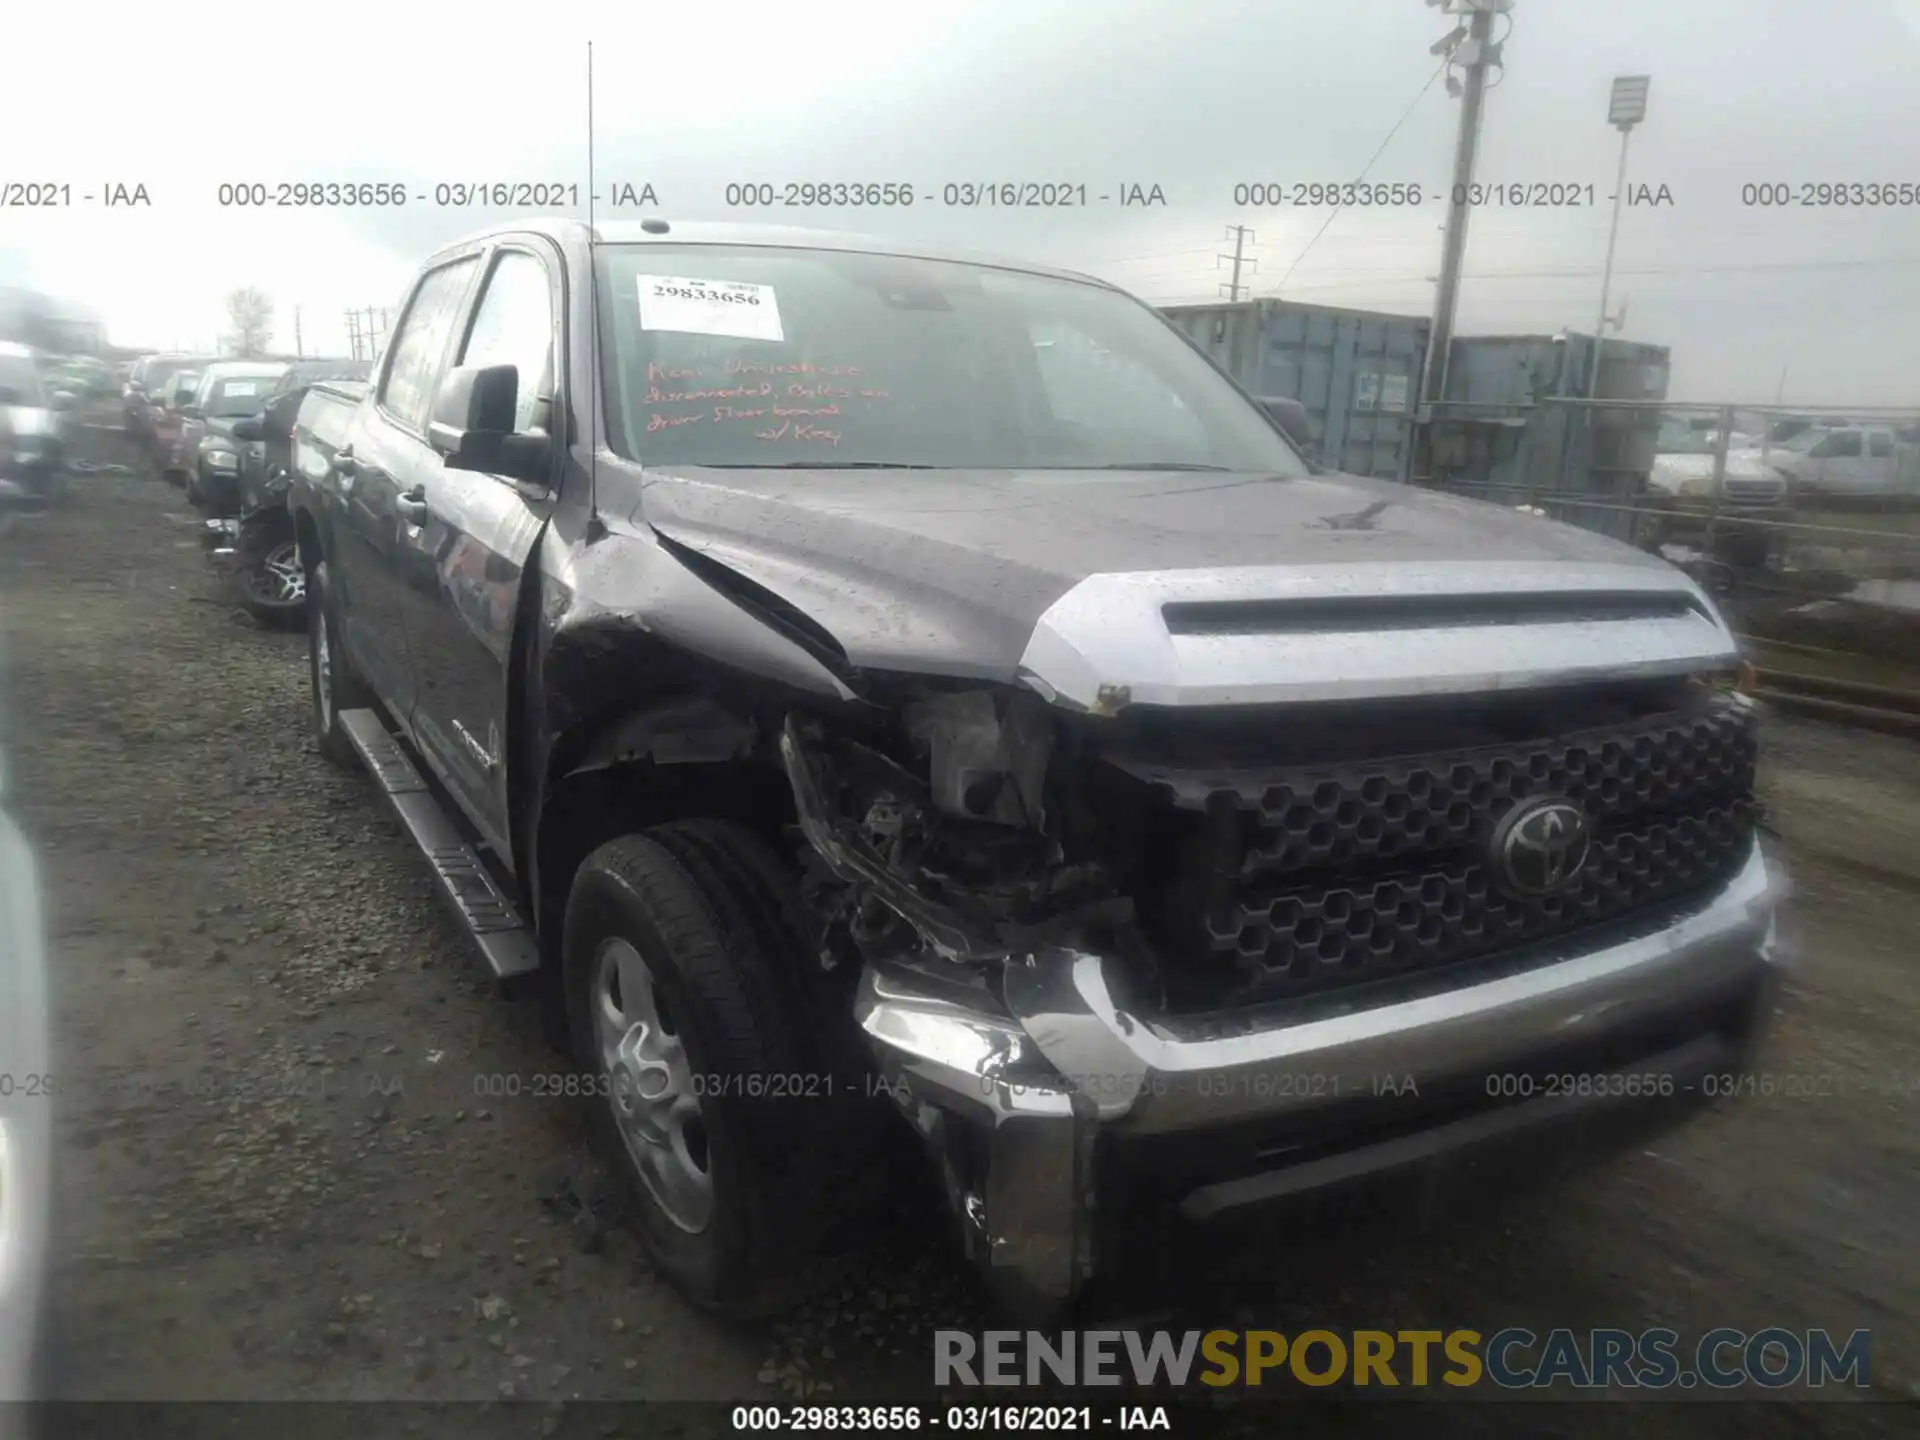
(335, 685)
(273, 589)
(712, 1094)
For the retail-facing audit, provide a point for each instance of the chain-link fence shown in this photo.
(1804, 521)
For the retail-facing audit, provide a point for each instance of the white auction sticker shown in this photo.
(733, 308)
(241, 387)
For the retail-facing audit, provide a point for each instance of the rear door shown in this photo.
(372, 553)
(475, 534)
(1880, 469)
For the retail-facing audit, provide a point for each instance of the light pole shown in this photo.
(1626, 109)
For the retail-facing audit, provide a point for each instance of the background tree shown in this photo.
(250, 313)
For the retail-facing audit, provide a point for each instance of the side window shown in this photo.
(407, 391)
(513, 325)
(1879, 445)
(1841, 445)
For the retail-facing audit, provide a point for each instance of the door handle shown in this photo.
(413, 506)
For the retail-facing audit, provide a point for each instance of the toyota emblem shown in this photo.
(1541, 847)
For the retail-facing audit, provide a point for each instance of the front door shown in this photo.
(476, 534)
(373, 553)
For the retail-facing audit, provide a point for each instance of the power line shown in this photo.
(1365, 170)
(1866, 263)
(1150, 255)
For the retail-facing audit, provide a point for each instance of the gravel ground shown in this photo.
(290, 1168)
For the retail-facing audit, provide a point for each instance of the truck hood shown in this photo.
(1693, 474)
(1005, 575)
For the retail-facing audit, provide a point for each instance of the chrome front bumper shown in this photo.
(1010, 1103)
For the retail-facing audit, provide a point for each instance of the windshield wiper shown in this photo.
(1167, 465)
(826, 465)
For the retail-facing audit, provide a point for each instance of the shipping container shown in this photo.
(1356, 371)
(1499, 436)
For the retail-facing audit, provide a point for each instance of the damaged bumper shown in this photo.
(1031, 1108)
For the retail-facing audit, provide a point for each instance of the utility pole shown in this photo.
(298, 350)
(1471, 47)
(1769, 421)
(1626, 109)
(1239, 235)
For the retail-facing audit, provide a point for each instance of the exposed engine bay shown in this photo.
(963, 854)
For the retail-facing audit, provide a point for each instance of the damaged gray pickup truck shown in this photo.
(852, 684)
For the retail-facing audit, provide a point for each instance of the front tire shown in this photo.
(741, 1145)
(335, 686)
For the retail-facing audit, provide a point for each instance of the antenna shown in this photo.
(595, 529)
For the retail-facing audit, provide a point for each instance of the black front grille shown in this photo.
(1305, 937)
(1349, 871)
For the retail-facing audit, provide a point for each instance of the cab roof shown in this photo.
(566, 232)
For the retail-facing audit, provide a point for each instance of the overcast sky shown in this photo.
(1191, 95)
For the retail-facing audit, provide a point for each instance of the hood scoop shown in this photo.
(1350, 614)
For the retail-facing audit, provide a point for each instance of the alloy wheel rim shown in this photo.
(652, 1092)
(279, 579)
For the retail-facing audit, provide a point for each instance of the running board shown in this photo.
(505, 941)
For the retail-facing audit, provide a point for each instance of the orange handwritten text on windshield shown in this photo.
(657, 396)
(657, 371)
(796, 430)
(799, 367)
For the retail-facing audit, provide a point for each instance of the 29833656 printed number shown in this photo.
(867, 1419)
(724, 297)
(321, 194)
(809, 1419)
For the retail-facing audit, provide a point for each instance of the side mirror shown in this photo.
(472, 425)
(64, 399)
(1291, 416)
(249, 428)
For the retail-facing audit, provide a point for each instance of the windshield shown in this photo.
(20, 382)
(1805, 440)
(236, 394)
(748, 356)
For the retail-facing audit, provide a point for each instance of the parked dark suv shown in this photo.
(150, 386)
(257, 530)
(206, 457)
(265, 462)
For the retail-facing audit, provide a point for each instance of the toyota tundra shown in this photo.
(871, 692)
